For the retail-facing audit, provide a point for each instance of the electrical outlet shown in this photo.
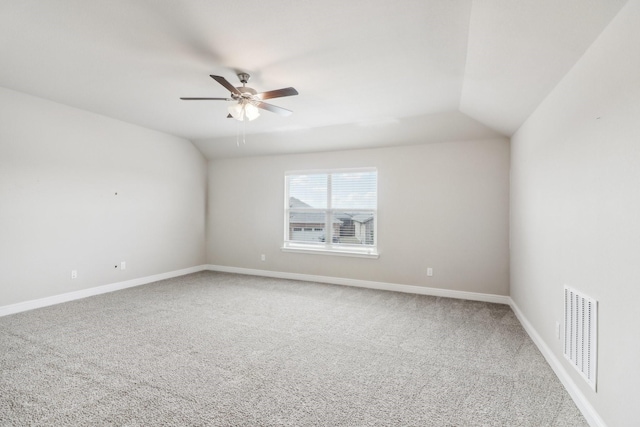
(74, 274)
(429, 271)
(263, 257)
(123, 265)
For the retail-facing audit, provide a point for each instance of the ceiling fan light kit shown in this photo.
(248, 100)
(244, 110)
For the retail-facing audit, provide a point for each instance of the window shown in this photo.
(332, 211)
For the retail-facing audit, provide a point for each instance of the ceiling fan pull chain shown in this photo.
(238, 135)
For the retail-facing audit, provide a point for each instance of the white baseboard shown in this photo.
(588, 411)
(84, 293)
(70, 296)
(410, 289)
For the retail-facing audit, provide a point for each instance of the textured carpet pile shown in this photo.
(215, 349)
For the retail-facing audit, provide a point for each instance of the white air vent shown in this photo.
(581, 333)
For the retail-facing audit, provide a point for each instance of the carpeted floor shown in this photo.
(215, 349)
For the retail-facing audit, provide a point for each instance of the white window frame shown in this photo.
(328, 247)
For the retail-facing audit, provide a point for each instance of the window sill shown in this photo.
(334, 252)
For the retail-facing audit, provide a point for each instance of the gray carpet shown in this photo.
(215, 349)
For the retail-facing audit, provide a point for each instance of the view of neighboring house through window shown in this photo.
(331, 210)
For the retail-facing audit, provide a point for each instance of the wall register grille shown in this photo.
(581, 333)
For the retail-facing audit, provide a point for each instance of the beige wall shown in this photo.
(576, 211)
(60, 168)
(442, 205)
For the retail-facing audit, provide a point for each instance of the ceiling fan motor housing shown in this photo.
(246, 93)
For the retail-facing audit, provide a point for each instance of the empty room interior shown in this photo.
(411, 213)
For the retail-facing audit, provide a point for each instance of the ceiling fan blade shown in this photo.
(226, 84)
(278, 110)
(279, 93)
(206, 99)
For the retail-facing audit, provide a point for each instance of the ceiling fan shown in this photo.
(248, 101)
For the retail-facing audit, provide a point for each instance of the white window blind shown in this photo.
(332, 211)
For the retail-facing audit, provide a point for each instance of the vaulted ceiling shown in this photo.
(369, 72)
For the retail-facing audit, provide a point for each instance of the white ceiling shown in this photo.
(369, 72)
